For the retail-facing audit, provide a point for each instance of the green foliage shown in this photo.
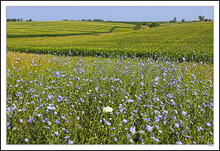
(138, 26)
(201, 18)
(15, 20)
(154, 24)
(98, 20)
(183, 20)
(174, 20)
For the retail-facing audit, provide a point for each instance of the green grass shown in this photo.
(193, 41)
(81, 86)
(60, 28)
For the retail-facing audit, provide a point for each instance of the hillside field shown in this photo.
(60, 28)
(193, 41)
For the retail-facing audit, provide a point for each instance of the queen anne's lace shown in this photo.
(107, 109)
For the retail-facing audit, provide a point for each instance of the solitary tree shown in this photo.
(201, 18)
(183, 20)
(174, 20)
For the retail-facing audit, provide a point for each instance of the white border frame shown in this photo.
(4, 4)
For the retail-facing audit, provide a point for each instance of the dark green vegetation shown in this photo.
(151, 25)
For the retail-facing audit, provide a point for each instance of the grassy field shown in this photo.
(193, 41)
(103, 89)
(60, 28)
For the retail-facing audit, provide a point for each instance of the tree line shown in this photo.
(139, 25)
(200, 17)
(91, 20)
(174, 20)
(17, 20)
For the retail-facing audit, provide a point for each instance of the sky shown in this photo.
(114, 13)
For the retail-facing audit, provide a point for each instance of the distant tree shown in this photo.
(29, 19)
(138, 26)
(183, 20)
(210, 20)
(98, 20)
(13, 20)
(201, 18)
(206, 20)
(174, 20)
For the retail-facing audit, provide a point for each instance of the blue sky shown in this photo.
(119, 13)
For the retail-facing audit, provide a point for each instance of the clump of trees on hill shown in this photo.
(154, 24)
(17, 20)
(98, 20)
(139, 25)
(202, 18)
(86, 20)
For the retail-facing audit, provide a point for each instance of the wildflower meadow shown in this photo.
(123, 87)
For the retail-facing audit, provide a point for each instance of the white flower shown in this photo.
(107, 109)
